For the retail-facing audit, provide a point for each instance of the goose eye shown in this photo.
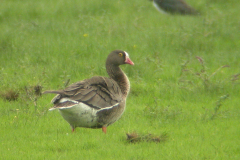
(120, 54)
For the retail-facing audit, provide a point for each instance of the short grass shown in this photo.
(185, 82)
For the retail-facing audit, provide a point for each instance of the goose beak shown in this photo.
(128, 61)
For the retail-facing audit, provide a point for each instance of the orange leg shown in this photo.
(72, 129)
(104, 129)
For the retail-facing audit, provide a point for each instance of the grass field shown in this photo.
(185, 83)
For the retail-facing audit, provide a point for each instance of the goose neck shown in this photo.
(120, 77)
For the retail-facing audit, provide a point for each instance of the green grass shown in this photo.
(196, 104)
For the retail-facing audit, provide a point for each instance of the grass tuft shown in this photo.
(192, 77)
(9, 95)
(136, 138)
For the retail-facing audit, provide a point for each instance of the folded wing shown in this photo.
(97, 92)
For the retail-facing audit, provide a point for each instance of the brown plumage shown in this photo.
(96, 102)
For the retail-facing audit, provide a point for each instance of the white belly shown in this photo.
(79, 115)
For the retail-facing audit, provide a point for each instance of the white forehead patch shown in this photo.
(126, 54)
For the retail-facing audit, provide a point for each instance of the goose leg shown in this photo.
(72, 129)
(104, 129)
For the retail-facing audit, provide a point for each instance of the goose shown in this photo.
(174, 6)
(96, 102)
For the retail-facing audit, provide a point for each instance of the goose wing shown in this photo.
(97, 92)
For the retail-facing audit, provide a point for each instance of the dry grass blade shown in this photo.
(218, 105)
